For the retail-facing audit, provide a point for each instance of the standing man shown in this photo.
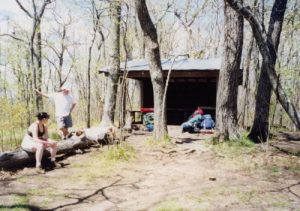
(64, 105)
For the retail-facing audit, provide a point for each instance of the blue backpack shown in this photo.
(208, 122)
(150, 127)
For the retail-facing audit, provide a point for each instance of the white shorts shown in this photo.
(28, 144)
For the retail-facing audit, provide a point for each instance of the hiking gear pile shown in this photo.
(198, 122)
(148, 120)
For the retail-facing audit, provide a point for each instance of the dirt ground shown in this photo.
(190, 174)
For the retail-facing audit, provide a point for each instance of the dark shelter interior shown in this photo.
(183, 97)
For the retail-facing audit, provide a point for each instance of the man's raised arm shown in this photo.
(41, 93)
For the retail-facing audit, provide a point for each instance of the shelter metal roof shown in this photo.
(180, 64)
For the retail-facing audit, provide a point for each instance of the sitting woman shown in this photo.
(192, 124)
(36, 140)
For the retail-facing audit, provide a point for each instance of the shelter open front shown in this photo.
(183, 97)
(193, 83)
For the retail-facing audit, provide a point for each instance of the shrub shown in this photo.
(120, 152)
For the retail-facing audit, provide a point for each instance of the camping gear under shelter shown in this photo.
(193, 83)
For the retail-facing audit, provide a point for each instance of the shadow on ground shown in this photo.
(187, 140)
(84, 199)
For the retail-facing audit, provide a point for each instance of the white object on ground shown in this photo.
(96, 133)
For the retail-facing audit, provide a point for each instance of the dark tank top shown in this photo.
(40, 133)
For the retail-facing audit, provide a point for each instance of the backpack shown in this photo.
(208, 122)
(150, 127)
(148, 118)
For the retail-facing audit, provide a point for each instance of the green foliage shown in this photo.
(170, 205)
(10, 140)
(12, 124)
(280, 164)
(199, 54)
(21, 202)
(150, 141)
(12, 114)
(55, 136)
(275, 170)
(234, 147)
(167, 141)
(120, 152)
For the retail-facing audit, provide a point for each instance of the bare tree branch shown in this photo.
(67, 76)
(169, 5)
(34, 7)
(52, 48)
(11, 36)
(46, 2)
(23, 8)
(53, 64)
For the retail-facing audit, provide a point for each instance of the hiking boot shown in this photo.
(69, 135)
(55, 164)
(39, 170)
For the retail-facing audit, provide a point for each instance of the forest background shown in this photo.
(75, 45)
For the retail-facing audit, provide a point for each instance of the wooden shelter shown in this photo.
(193, 83)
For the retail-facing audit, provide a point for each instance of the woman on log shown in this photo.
(36, 140)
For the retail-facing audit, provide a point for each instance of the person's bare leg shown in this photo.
(39, 155)
(53, 150)
(65, 132)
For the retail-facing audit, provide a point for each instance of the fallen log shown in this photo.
(82, 139)
(20, 157)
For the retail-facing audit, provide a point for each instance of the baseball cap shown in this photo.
(65, 87)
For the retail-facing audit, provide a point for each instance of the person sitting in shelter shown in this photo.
(192, 124)
(36, 140)
(199, 110)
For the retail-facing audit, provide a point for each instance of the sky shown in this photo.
(80, 29)
(10, 9)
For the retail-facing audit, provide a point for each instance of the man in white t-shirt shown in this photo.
(64, 105)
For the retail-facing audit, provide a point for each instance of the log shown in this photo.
(20, 157)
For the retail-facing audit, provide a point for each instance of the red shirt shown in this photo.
(198, 111)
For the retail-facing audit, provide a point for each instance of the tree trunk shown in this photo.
(141, 41)
(252, 84)
(39, 73)
(33, 68)
(29, 91)
(250, 68)
(260, 128)
(113, 77)
(268, 51)
(88, 122)
(227, 126)
(80, 140)
(245, 88)
(153, 57)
